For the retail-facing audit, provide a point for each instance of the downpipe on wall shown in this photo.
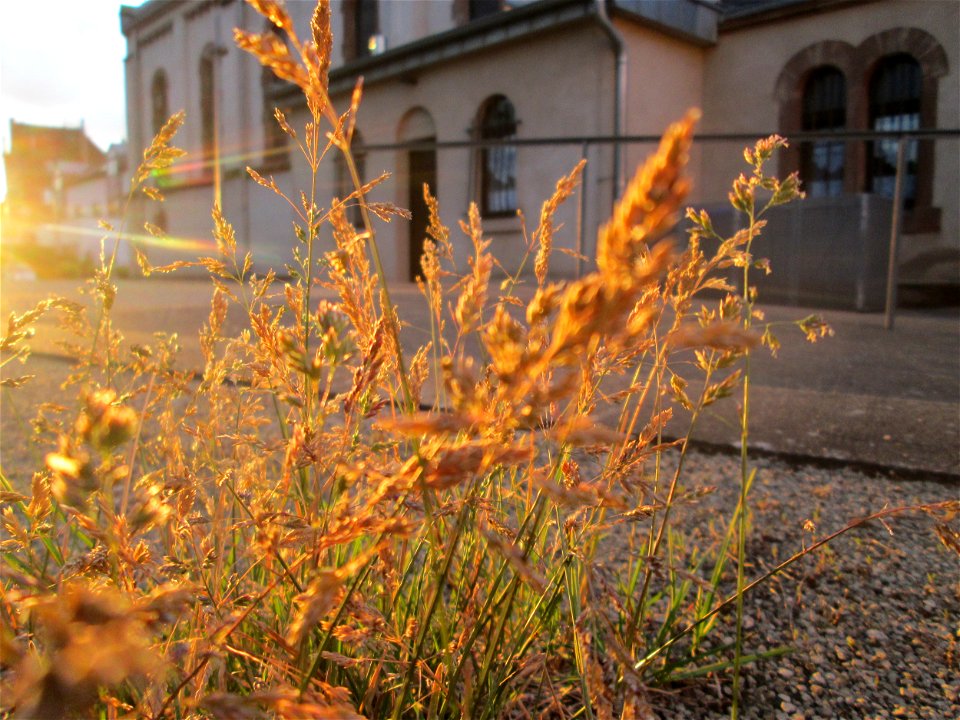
(619, 95)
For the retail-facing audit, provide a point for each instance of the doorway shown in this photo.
(422, 166)
(416, 129)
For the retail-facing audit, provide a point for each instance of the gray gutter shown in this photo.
(619, 93)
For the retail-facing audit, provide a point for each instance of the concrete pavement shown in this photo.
(867, 395)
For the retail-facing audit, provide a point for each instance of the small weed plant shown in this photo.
(318, 526)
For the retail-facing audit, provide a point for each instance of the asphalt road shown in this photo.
(866, 395)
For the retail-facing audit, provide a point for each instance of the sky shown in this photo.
(61, 63)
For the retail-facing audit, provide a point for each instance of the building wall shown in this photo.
(91, 197)
(573, 58)
(175, 44)
(741, 94)
(664, 81)
(561, 83)
(399, 22)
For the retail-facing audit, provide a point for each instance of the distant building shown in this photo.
(459, 70)
(94, 199)
(41, 163)
(60, 189)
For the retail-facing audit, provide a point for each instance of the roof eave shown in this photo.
(406, 60)
(134, 18)
(776, 13)
(693, 21)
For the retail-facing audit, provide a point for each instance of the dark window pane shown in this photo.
(207, 102)
(345, 183)
(499, 162)
(824, 108)
(894, 105)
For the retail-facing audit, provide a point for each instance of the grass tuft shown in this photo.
(320, 526)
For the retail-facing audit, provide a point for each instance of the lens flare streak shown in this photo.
(168, 242)
(236, 160)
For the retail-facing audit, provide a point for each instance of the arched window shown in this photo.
(158, 99)
(208, 122)
(824, 107)
(498, 162)
(344, 183)
(892, 84)
(894, 97)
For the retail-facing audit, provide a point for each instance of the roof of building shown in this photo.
(132, 18)
(45, 144)
(741, 13)
(691, 20)
(694, 21)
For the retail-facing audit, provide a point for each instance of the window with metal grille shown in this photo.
(824, 108)
(894, 105)
(498, 164)
(158, 96)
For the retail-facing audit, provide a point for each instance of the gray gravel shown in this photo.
(872, 619)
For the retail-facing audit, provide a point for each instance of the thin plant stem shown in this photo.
(742, 507)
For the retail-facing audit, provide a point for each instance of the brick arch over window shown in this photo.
(921, 45)
(932, 59)
(858, 64)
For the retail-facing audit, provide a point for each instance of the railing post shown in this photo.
(895, 224)
(582, 211)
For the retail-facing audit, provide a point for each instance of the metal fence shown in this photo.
(882, 207)
(842, 247)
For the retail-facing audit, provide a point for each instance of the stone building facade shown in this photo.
(446, 72)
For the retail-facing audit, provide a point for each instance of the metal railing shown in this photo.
(583, 146)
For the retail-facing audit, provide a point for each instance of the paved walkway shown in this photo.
(889, 398)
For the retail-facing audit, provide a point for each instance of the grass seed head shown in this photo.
(649, 206)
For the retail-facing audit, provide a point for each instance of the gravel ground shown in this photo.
(18, 455)
(872, 620)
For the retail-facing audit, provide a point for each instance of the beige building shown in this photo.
(601, 77)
